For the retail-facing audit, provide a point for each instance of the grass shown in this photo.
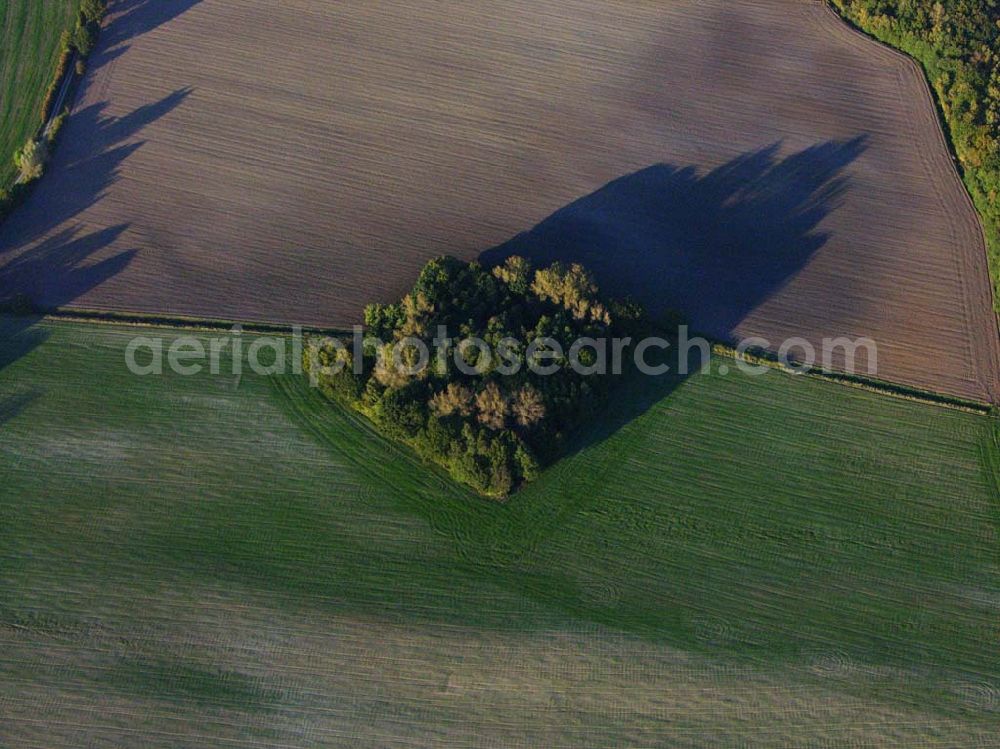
(774, 559)
(29, 51)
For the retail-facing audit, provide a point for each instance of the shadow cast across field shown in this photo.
(11, 406)
(86, 165)
(711, 246)
(58, 263)
(18, 337)
(59, 270)
(131, 19)
(45, 260)
(134, 18)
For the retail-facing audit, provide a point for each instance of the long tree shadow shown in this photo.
(711, 247)
(48, 268)
(129, 19)
(44, 261)
(57, 270)
(13, 405)
(133, 18)
(88, 162)
(18, 337)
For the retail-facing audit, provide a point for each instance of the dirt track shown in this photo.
(764, 168)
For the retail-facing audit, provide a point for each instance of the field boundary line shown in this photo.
(956, 164)
(171, 322)
(719, 347)
(858, 382)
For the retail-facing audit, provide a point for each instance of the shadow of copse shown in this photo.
(711, 247)
(635, 396)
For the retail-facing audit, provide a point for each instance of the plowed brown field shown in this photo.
(755, 164)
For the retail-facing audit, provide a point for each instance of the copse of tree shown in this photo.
(491, 428)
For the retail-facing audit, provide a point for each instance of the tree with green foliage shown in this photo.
(528, 406)
(573, 288)
(488, 417)
(83, 39)
(93, 11)
(30, 160)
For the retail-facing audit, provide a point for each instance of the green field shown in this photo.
(210, 560)
(29, 50)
